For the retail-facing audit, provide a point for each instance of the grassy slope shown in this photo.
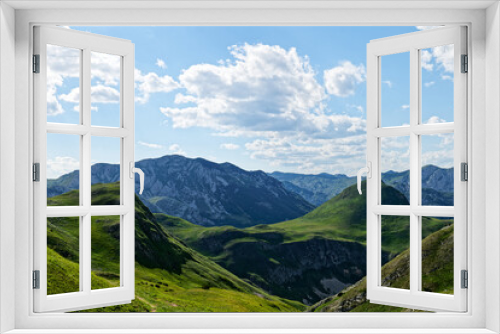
(437, 274)
(341, 218)
(255, 253)
(170, 277)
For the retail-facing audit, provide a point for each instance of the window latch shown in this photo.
(368, 171)
(134, 170)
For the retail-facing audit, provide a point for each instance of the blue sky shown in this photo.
(272, 98)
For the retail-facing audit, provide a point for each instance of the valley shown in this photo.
(315, 255)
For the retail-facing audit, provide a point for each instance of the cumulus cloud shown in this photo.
(176, 149)
(435, 120)
(438, 150)
(339, 155)
(269, 93)
(149, 83)
(342, 80)
(98, 94)
(395, 153)
(61, 165)
(63, 64)
(150, 145)
(263, 89)
(230, 146)
(161, 63)
(425, 59)
(63, 67)
(429, 84)
(405, 106)
(441, 57)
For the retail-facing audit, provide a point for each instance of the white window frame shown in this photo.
(86, 43)
(483, 102)
(412, 43)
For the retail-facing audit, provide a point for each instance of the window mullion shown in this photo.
(85, 192)
(415, 267)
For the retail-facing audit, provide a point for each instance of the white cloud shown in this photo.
(176, 149)
(230, 146)
(160, 63)
(264, 89)
(150, 145)
(339, 155)
(447, 77)
(271, 95)
(429, 84)
(149, 83)
(105, 68)
(435, 120)
(395, 152)
(62, 65)
(441, 56)
(61, 165)
(342, 80)
(405, 106)
(388, 83)
(426, 58)
(444, 57)
(98, 94)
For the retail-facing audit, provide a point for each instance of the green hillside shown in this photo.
(283, 258)
(437, 276)
(170, 277)
(341, 218)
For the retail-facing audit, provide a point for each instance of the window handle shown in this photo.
(368, 171)
(134, 170)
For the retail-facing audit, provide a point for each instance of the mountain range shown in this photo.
(211, 194)
(203, 192)
(437, 184)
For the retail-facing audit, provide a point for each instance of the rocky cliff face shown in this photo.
(203, 192)
(305, 271)
(437, 184)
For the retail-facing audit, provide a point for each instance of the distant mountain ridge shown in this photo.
(316, 189)
(437, 184)
(203, 192)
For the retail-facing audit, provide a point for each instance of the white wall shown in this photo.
(7, 162)
(492, 165)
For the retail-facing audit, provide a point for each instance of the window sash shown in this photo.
(86, 298)
(413, 298)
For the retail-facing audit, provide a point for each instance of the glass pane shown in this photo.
(395, 89)
(63, 84)
(63, 255)
(395, 251)
(105, 252)
(437, 255)
(437, 71)
(105, 90)
(63, 169)
(395, 168)
(105, 170)
(437, 169)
